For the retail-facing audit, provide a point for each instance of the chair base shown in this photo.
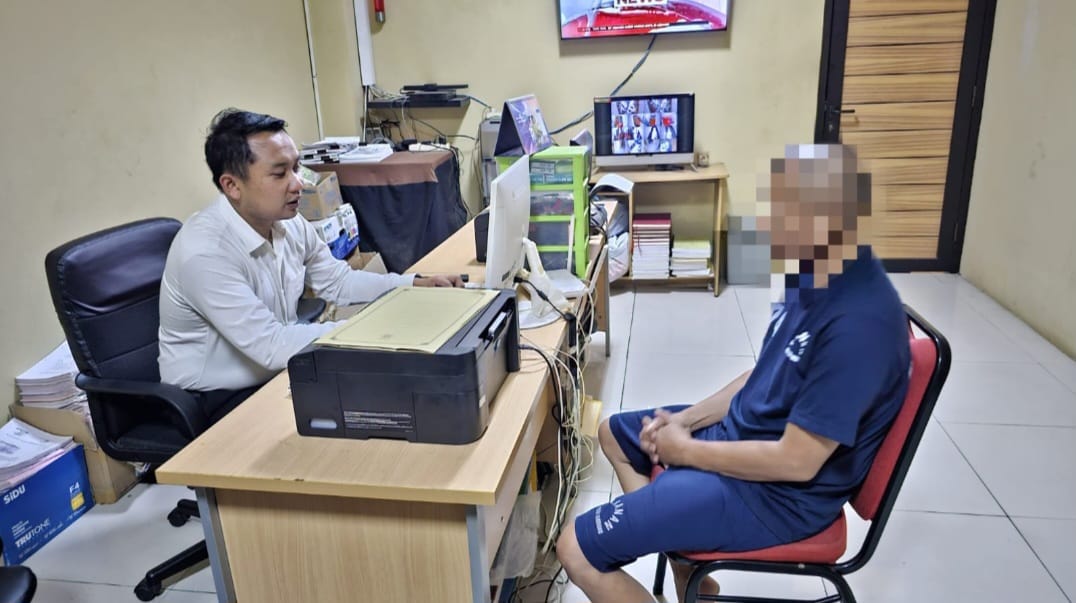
(153, 584)
(703, 569)
(184, 511)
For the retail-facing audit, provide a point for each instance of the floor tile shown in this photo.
(134, 532)
(57, 591)
(657, 379)
(937, 557)
(1052, 540)
(941, 480)
(688, 322)
(1028, 469)
(1017, 393)
(183, 596)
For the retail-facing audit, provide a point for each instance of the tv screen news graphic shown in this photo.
(644, 130)
(610, 18)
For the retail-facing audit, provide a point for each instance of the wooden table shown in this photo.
(713, 175)
(290, 518)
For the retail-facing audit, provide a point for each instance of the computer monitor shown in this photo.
(651, 130)
(509, 221)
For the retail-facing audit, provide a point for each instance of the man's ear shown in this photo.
(229, 185)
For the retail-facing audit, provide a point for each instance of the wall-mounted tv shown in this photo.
(610, 18)
(656, 129)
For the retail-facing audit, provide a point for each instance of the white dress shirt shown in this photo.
(228, 298)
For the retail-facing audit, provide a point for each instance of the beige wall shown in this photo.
(103, 112)
(1020, 246)
(756, 85)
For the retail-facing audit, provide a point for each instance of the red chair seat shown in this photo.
(824, 547)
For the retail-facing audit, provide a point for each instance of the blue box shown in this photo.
(35, 511)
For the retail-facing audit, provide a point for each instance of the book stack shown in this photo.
(325, 152)
(651, 235)
(51, 382)
(691, 258)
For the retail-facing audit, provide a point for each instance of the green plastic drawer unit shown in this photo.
(559, 183)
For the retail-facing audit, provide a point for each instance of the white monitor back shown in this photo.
(509, 221)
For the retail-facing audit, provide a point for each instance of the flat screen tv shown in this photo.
(650, 130)
(610, 18)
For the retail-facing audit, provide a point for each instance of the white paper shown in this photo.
(22, 445)
(59, 365)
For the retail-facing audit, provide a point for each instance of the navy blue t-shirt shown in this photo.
(835, 362)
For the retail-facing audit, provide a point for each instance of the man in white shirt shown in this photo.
(236, 269)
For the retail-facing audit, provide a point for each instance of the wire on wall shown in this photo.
(587, 115)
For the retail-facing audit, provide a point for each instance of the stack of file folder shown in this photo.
(691, 258)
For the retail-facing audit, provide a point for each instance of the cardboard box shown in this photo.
(348, 221)
(109, 479)
(35, 511)
(328, 229)
(322, 198)
(370, 261)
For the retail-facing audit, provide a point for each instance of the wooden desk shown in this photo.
(713, 174)
(290, 518)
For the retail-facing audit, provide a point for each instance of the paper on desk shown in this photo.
(614, 181)
(410, 318)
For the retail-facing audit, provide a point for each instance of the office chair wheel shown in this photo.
(177, 517)
(148, 591)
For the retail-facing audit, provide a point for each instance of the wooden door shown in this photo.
(900, 80)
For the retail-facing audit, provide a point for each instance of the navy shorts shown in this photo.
(684, 509)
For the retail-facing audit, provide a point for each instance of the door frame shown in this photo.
(978, 33)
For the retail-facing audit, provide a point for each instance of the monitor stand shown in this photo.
(538, 312)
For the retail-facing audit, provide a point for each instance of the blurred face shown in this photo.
(809, 206)
(271, 190)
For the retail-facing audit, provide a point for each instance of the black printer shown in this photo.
(441, 397)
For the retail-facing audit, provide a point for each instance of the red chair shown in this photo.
(818, 555)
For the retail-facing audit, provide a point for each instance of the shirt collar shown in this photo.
(853, 270)
(248, 237)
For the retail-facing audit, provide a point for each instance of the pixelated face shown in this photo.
(811, 202)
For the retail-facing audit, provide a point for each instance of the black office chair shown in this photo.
(17, 583)
(105, 288)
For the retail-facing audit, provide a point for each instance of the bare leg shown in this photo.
(682, 573)
(600, 587)
(630, 480)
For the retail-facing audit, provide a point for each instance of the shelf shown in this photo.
(412, 102)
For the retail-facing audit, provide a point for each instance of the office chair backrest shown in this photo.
(105, 287)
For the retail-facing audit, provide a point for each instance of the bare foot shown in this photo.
(682, 573)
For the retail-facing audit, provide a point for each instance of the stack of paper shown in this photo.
(25, 449)
(650, 235)
(691, 258)
(51, 382)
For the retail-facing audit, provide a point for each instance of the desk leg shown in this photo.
(214, 540)
(476, 550)
(601, 292)
(719, 215)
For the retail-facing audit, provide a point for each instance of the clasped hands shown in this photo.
(665, 437)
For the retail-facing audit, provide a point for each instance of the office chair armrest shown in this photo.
(193, 417)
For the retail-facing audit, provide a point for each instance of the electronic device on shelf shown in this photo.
(644, 130)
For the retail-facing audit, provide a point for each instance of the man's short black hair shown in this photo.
(226, 146)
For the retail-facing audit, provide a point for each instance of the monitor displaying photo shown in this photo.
(656, 129)
(610, 18)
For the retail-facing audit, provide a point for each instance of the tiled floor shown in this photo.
(988, 512)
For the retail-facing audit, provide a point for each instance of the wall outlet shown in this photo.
(702, 158)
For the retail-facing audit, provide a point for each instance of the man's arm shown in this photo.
(710, 410)
(796, 457)
(334, 280)
(218, 290)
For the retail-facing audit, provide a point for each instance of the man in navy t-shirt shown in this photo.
(772, 457)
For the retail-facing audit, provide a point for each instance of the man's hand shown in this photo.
(648, 437)
(439, 280)
(671, 440)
